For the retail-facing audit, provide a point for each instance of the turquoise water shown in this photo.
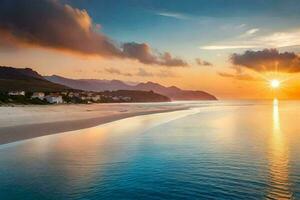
(220, 150)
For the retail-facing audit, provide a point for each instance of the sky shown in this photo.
(229, 48)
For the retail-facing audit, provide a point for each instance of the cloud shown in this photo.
(162, 73)
(268, 60)
(201, 62)
(143, 53)
(142, 72)
(51, 24)
(272, 40)
(281, 39)
(241, 26)
(238, 76)
(115, 71)
(172, 15)
(251, 32)
(166, 73)
(7, 43)
(225, 47)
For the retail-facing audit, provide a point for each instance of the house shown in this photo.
(71, 94)
(16, 93)
(115, 98)
(126, 98)
(76, 94)
(54, 98)
(96, 98)
(90, 94)
(83, 98)
(39, 95)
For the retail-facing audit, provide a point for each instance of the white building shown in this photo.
(90, 94)
(16, 93)
(70, 94)
(39, 95)
(116, 99)
(96, 98)
(76, 94)
(83, 98)
(126, 98)
(54, 98)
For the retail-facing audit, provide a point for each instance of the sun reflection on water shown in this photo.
(278, 160)
(276, 120)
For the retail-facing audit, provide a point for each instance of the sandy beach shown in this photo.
(25, 122)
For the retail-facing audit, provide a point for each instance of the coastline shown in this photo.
(35, 122)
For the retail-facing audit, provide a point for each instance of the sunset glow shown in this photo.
(275, 83)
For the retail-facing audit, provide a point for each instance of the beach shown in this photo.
(25, 122)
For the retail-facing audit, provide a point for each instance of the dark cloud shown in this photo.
(144, 54)
(268, 60)
(203, 62)
(168, 60)
(7, 43)
(48, 23)
(115, 71)
(51, 24)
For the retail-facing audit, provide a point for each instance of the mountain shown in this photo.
(88, 84)
(25, 79)
(138, 96)
(18, 73)
(175, 93)
(172, 92)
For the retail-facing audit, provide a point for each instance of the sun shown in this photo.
(275, 83)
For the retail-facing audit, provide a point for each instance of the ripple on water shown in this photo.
(231, 153)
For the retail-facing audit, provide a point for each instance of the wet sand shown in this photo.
(25, 122)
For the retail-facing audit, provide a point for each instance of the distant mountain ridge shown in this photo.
(25, 79)
(172, 92)
(176, 93)
(88, 84)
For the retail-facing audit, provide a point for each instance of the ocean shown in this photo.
(215, 150)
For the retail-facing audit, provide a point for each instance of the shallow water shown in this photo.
(216, 150)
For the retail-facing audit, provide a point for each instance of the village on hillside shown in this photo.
(79, 97)
(60, 97)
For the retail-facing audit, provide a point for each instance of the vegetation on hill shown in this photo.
(12, 79)
(138, 96)
(22, 100)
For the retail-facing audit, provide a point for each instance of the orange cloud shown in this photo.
(50, 24)
(268, 60)
(238, 76)
(201, 62)
(143, 53)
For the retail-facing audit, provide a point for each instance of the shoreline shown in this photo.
(9, 134)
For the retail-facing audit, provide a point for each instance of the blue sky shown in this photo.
(182, 26)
